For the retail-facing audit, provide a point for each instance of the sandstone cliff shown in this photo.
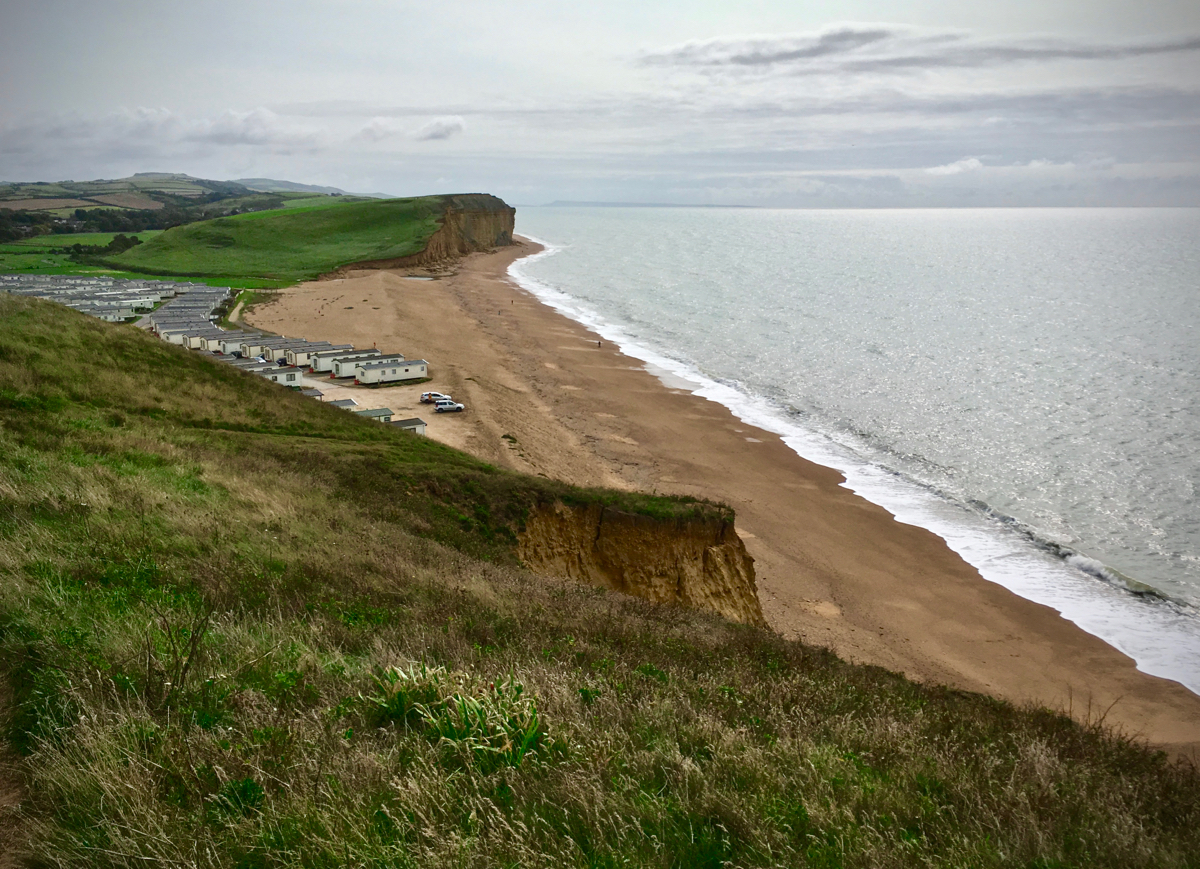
(699, 563)
(470, 222)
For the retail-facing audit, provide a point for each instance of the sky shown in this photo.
(803, 103)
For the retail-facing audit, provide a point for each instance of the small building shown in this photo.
(231, 344)
(285, 375)
(275, 350)
(300, 356)
(344, 366)
(256, 367)
(344, 403)
(379, 414)
(172, 336)
(322, 362)
(212, 343)
(312, 393)
(416, 425)
(391, 372)
(256, 345)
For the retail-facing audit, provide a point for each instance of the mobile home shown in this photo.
(379, 414)
(300, 356)
(231, 344)
(282, 374)
(322, 362)
(391, 372)
(344, 367)
(275, 351)
(416, 425)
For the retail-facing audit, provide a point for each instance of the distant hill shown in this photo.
(564, 203)
(272, 185)
(145, 190)
(145, 201)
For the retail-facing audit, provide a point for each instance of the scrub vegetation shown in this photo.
(243, 628)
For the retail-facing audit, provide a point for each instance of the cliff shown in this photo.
(700, 563)
(470, 222)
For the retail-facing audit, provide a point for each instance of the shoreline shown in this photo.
(1157, 631)
(546, 395)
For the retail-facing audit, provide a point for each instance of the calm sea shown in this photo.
(1023, 382)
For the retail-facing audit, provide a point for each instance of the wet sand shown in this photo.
(545, 396)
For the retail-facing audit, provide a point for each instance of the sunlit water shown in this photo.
(1023, 382)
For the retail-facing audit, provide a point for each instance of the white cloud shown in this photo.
(966, 164)
(441, 128)
(256, 127)
(378, 129)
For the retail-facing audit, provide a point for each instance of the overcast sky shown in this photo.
(757, 102)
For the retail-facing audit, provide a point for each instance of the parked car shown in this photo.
(434, 397)
(447, 406)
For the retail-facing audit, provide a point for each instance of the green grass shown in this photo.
(49, 242)
(290, 244)
(33, 256)
(243, 628)
(309, 202)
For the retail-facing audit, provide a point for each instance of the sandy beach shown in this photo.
(546, 396)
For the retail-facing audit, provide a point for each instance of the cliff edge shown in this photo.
(470, 222)
(700, 562)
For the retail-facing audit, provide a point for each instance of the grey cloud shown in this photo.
(440, 128)
(853, 48)
(257, 127)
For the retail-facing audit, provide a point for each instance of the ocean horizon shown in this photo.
(1021, 382)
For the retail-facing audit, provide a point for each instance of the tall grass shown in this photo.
(242, 629)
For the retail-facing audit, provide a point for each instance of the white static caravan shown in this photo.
(172, 336)
(192, 339)
(233, 343)
(344, 367)
(285, 375)
(274, 350)
(254, 346)
(416, 425)
(301, 356)
(391, 372)
(212, 343)
(379, 414)
(322, 363)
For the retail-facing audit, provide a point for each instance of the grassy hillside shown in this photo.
(243, 628)
(291, 244)
(49, 254)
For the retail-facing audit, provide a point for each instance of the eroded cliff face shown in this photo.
(471, 222)
(698, 563)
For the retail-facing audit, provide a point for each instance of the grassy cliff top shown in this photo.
(242, 628)
(298, 242)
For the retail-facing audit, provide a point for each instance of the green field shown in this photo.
(35, 256)
(243, 628)
(291, 244)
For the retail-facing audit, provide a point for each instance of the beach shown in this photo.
(546, 396)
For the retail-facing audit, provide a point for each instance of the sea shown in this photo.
(1024, 383)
